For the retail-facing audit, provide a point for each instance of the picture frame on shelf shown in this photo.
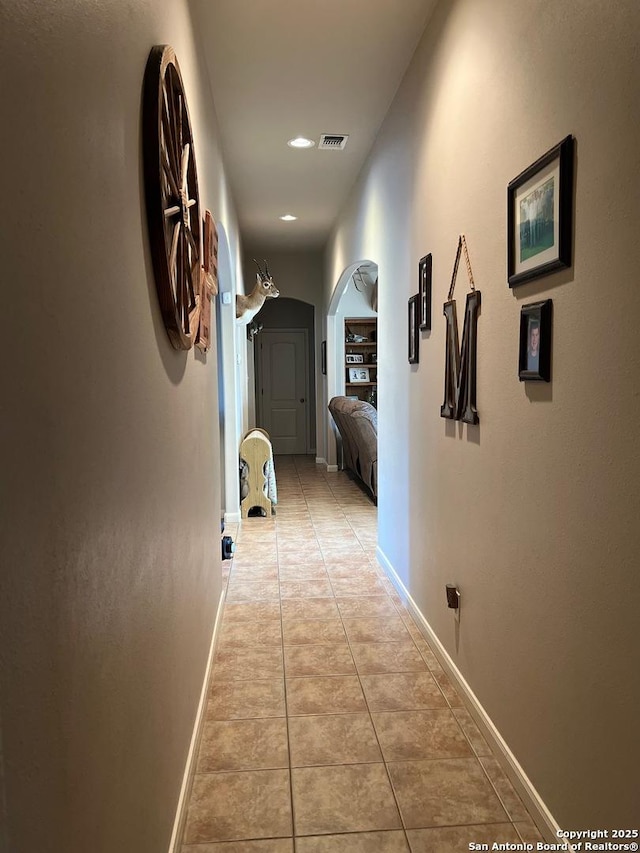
(413, 339)
(358, 374)
(354, 358)
(540, 216)
(323, 357)
(424, 291)
(534, 357)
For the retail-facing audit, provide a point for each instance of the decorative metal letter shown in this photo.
(460, 367)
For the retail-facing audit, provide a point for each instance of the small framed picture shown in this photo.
(323, 355)
(413, 329)
(539, 216)
(534, 362)
(358, 374)
(424, 291)
(354, 358)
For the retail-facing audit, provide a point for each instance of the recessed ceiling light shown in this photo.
(301, 142)
(288, 217)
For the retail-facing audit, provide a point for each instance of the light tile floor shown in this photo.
(330, 725)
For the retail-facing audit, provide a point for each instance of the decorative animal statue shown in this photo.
(248, 306)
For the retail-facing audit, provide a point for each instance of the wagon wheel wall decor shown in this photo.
(171, 189)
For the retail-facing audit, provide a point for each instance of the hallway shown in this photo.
(324, 695)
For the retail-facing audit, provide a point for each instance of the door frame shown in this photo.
(335, 357)
(307, 378)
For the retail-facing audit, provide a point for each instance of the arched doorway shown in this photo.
(284, 352)
(353, 295)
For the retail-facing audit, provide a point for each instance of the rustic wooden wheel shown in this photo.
(171, 188)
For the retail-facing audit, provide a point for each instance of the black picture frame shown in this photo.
(542, 243)
(536, 315)
(413, 336)
(425, 266)
(323, 357)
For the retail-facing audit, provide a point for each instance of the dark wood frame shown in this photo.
(544, 313)
(323, 357)
(413, 335)
(563, 153)
(425, 266)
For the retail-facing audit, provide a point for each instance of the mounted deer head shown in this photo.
(248, 306)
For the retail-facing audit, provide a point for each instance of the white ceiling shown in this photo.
(280, 68)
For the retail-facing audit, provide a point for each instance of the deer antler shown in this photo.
(259, 270)
(266, 266)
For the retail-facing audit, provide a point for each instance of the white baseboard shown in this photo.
(331, 469)
(534, 803)
(187, 780)
(232, 517)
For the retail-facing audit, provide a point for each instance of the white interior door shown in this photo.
(283, 380)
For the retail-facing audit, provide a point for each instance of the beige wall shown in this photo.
(535, 512)
(109, 439)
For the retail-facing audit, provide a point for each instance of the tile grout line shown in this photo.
(340, 617)
(286, 703)
(364, 696)
(227, 581)
(449, 708)
(366, 702)
(362, 558)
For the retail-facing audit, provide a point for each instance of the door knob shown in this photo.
(302, 399)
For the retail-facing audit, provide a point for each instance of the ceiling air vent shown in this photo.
(335, 141)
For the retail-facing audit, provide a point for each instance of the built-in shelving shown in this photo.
(367, 350)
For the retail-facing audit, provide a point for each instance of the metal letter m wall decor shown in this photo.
(460, 366)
